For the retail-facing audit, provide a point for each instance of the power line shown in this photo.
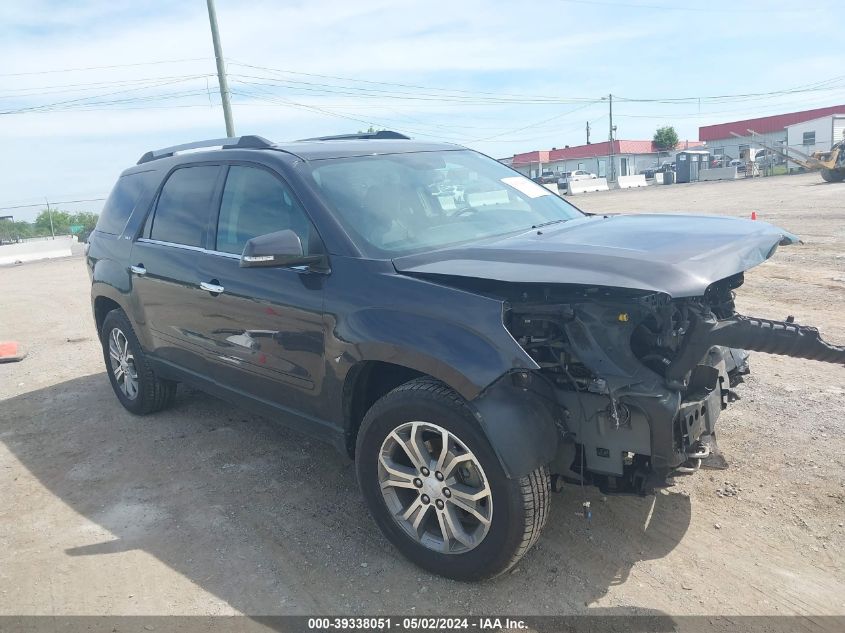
(82, 99)
(401, 85)
(538, 123)
(663, 7)
(42, 204)
(82, 87)
(68, 70)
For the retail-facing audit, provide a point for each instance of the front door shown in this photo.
(264, 326)
(164, 265)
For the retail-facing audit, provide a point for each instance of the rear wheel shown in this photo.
(135, 383)
(437, 490)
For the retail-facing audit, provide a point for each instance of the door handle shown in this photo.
(138, 270)
(212, 288)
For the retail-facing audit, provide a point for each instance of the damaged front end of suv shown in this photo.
(635, 368)
(642, 378)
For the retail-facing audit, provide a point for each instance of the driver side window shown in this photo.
(256, 203)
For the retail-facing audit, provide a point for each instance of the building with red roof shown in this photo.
(629, 157)
(736, 137)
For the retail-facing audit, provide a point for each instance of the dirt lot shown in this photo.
(204, 509)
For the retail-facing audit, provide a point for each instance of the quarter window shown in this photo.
(120, 203)
(256, 203)
(181, 214)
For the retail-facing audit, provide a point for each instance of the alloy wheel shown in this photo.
(123, 364)
(435, 487)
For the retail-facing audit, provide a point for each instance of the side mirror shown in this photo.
(282, 248)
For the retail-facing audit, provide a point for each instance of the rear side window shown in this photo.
(120, 203)
(181, 214)
(256, 203)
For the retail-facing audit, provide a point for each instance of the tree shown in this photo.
(61, 222)
(371, 130)
(11, 231)
(665, 138)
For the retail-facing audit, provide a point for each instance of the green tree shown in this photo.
(11, 231)
(87, 221)
(61, 222)
(665, 138)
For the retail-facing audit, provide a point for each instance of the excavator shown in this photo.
(831, 164)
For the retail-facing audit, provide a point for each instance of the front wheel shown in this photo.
(833, 175)
(437, 490)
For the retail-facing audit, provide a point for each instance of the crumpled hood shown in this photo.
(679, 255)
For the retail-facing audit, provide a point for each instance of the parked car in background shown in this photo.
(740, 165)
(720, 160)
(766, 158)
(546, 178)
(567, 176)
(650, 171)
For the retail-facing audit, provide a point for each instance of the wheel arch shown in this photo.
(366, 382)
(102, 306)
(513, 413)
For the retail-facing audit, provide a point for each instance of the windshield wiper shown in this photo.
(537, 226)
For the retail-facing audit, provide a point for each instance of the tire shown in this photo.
(151, 393)
(515, 509)
(833, 175)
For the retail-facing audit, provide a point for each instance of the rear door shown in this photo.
(264, 326)
(164, 264)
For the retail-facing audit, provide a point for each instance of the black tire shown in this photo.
(833, 175)
(153, 393)
(520, 505)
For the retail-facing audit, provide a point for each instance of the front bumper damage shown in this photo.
(628, 422)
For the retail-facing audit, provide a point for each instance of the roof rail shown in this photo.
(239, 142)
(381, 134)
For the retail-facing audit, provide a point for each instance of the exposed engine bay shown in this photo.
(642, 378)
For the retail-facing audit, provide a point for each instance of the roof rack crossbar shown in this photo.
(381, 134)
(235, 142)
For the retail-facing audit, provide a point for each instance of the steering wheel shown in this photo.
(464, 211)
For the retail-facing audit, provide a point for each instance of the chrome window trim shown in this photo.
(186, 247)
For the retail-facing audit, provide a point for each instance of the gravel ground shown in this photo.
(204, 509)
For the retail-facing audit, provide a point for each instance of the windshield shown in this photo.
(397, 204)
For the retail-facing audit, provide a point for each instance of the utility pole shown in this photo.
(50, 213)
(588, 132)
(221, 70)
(610, 138)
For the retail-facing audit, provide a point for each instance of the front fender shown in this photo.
(518, 413)
(467, 359)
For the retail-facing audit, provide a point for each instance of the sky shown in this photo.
(87, 87)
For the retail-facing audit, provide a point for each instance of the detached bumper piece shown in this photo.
(753, 334)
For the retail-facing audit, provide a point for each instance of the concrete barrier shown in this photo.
(718, 173)
(553, 188)
(628, 182)
(588, 184)
(35, 250)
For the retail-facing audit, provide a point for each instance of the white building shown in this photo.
(735, 138)
(817, 135)
(628, 158)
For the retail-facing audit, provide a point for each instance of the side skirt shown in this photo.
(313, 427)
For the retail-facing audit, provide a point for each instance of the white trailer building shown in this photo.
(817, 135)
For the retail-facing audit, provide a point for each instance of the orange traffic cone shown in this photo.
(11, 352)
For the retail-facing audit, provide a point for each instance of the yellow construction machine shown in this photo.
(831, 164)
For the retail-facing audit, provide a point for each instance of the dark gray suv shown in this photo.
(472, 340)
